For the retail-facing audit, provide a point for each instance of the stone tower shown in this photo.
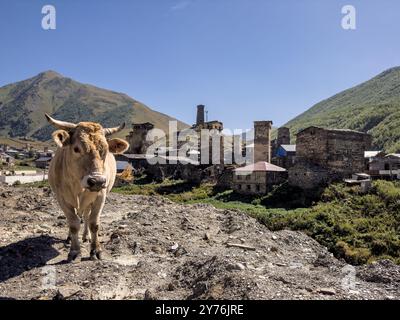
(283, 136)
(200, 114)
(137, 137)
(262, 141)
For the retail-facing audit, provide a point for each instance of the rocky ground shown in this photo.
(157, 249)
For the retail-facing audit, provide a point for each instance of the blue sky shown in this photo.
(245, 60)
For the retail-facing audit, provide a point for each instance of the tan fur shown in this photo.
(66, 171)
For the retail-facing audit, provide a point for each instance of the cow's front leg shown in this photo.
(74, 223)
(85, 216)
(94, 223)
(68, 240)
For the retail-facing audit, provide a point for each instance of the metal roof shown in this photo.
(370, 154)
(260, 166)
(395, 155)
(289, 147)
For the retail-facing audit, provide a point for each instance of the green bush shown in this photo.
(387, 190)
(352, 255)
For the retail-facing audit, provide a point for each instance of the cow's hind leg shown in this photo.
(94, 222)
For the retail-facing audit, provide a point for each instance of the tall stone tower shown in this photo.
(137, 137)
(262, 141)
(283, 136)
(200, 114)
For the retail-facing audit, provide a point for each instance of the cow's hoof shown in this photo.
(73, 255)
(94, 255)
(85, 239)
(99, 255)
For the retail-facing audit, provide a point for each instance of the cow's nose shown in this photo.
(96, 182)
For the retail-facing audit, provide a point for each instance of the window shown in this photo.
(248, 187)
(240, 187)
(258, 188)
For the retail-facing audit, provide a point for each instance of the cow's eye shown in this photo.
(76, 150)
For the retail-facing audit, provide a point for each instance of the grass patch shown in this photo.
(37, 184)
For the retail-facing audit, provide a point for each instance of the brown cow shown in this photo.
(81, 174)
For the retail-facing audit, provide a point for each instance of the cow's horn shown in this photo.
(108, 131)
(60, 124)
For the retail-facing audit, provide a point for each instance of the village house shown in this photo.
(45, 153)
(285, 156)
(283, 152)
(327, 155)
(257, 178)
(383, 166)
(369, 156)
(6, 160)
(43, 162)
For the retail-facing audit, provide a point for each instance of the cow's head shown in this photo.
(86, 148)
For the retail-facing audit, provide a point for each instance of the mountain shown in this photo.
(23, 104)
(373, 107)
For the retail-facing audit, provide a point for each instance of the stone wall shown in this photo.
(22, 179)
(308, 176)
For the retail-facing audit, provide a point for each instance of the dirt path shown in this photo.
(157, 249)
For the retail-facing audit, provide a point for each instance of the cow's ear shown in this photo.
(61, 137)
(117, 145)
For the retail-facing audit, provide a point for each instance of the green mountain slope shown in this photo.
(373, 107)
(23, 104)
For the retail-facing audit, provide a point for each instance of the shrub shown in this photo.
(387, 190)
(352, 255)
